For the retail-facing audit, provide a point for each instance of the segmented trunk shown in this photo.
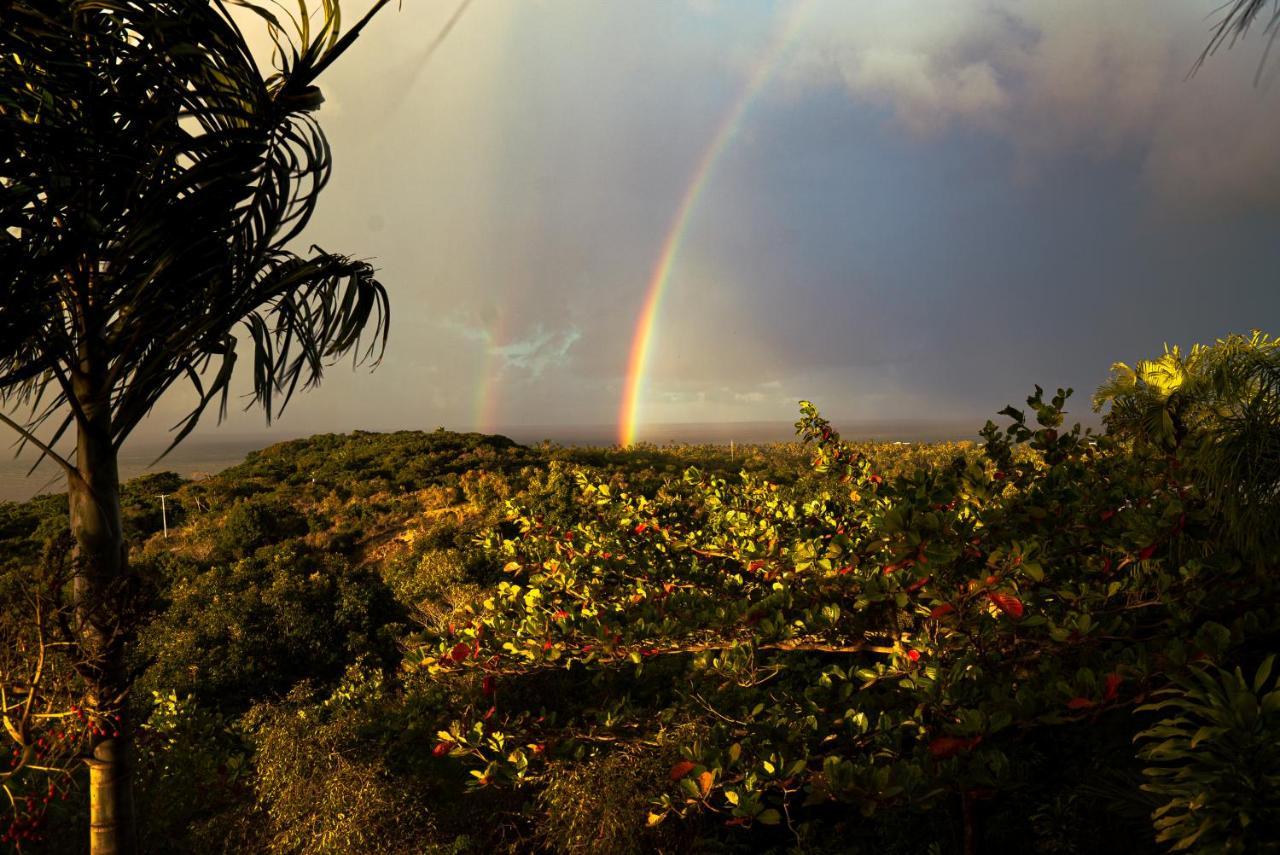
(101, 588)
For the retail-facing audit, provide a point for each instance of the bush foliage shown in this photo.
(1047, 640)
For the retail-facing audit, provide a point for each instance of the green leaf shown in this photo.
(1264, 672)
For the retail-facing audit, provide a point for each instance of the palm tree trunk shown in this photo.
(99, 591)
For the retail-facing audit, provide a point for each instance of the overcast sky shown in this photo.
(926, 209)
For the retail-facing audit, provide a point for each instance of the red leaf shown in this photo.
(918, 584)
(441, 749)
(1008, 604)
(943, 747)
(489, 684)
(941, 611)
(460, 651)
(1112, 685)
(1147, 552)
(913, 655)
(684, 767)
(640, 528)
(1079, 703)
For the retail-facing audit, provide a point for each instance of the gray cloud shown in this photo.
(1057, 79)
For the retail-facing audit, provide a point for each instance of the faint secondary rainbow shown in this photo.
(486, 400)
(642, 338)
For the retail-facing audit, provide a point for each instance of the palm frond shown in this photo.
(1238, 18)
(1220, 405)
(153, 177)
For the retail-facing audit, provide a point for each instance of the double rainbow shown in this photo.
(660, 278)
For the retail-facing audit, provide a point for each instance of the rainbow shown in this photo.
(660, 278)
(486, 400)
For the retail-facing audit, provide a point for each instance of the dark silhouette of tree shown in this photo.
(152, 180)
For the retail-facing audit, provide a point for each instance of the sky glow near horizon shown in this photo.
(919, 217)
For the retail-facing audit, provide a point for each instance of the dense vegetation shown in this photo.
(1048, 640)
(883, 648)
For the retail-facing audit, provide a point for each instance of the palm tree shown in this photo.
(153, 179)
(1155, 401)
(1217, 407)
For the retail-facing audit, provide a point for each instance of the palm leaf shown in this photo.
(147, 212)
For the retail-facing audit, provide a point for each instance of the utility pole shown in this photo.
(164, 514)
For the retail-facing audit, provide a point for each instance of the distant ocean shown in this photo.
(199, 457)
(722, 433)
(196, 458)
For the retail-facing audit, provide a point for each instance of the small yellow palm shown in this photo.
(1220, 404)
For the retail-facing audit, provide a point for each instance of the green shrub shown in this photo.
(919, 649)
(426, 578)
(238, 632)
(192, 767)
(1216, 759)
(602, 804)
(254, 523)
(325, 788)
